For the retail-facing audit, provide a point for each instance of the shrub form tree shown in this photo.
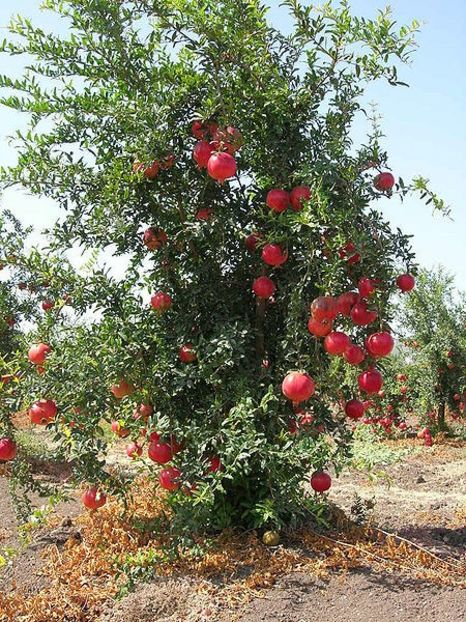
(433, 324)
(213, 154)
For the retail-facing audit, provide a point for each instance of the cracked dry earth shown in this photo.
(425, 501)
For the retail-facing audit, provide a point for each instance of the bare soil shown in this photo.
(425, 502)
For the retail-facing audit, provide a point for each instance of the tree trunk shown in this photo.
(441, 416)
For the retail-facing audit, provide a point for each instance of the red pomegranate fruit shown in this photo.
(354, 409)
(336, 343)
(354, 355)
(153, 239)
(370, 381)
(93, 499)
(221, 166)
(384, 181)
(298, 196)
(277, 200)
(298, 386)
(274, 255)
(119, 430)
(321, 481)
(133, 450)
(122, 389)
(380, 344)
(8, 449)
(161, 302)
(252, 240)
(169, 478)
(38, 353)
(319, 329)
(263, 287)
(202, 152)
(345, 302)
(406, 282)
(366, 286)
(43, 412)
(324, 308)
(159, 452)
(361, 315)
(187, 354)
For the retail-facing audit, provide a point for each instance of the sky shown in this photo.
(425, 125)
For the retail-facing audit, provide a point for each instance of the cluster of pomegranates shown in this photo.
(279, 200)
(215, 149)
(151, 170)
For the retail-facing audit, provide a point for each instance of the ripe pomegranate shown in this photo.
(403, 390)
(354, 355)
(319, 329)
(370, 381)
(8, 449)
(122, 389)
(354, 409)
(187, 354)
(324, 308)
(143, 411)
(198, 130)
(22, 286)
(204, 214)
(380, 344)
(151, 171)
(361, 315)
(169, 478)
(298, 196)
(348, 253)
(221, 166)
(263, 287)
(228, 139)
(153, 239)
(160, 452)
(457, 397)
(321, 481)
(406, 282)
(274, 255)
(47, 305)
(345, 302)
(119, 430)
(161, 302)
(298, 386)
(215, 464)
(252, 240)
(43, 412)
(202, 152)
(336, 342)
(366, 287)
(277, 200)
(384, 182)
(10, 320)
(38, 353)
(93, 499)
(133, 450)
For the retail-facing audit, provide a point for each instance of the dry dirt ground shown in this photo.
(425, 502)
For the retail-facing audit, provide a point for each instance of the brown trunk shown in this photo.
(260, 337)
(441, 416)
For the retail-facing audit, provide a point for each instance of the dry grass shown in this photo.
(84, 575)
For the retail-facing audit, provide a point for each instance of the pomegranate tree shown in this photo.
(253, 263)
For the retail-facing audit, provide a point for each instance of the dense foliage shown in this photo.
(117, 105)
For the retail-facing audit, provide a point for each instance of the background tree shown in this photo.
(433, 325)
(170, 133)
